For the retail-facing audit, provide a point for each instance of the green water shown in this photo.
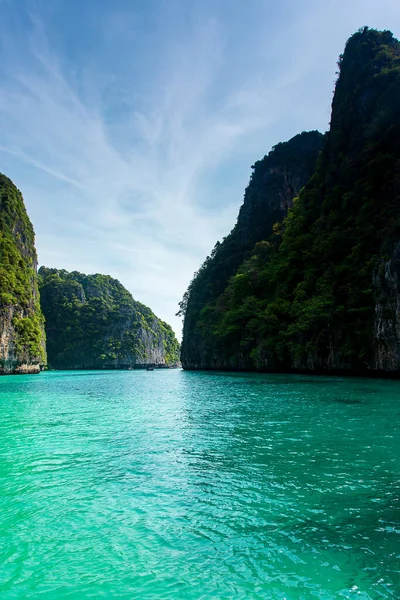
(178, 485)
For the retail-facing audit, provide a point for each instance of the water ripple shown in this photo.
(175, 485)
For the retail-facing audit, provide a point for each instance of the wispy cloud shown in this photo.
(129, 195)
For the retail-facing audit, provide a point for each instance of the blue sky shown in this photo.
(130, 126)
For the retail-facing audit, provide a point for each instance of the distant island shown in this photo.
(308, 280)
(92, 322)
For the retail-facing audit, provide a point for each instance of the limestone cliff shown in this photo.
(22, 340)
(322, 293)
(92, 322)
(276, 179)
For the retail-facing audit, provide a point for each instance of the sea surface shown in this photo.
(184, 485)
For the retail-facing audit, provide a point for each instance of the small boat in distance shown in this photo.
(150, 368)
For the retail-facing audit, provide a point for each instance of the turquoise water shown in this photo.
(178, 485)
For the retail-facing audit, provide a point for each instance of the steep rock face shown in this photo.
(344, 298)
(386, 280)
(92, 322)
(321, 293)
(275, 181)
(22, 339)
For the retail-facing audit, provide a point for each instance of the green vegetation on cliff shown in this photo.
(306, 298)
(93, 322)
(21, 320)
(275, 181)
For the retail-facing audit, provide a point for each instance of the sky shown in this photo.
(130, 125)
